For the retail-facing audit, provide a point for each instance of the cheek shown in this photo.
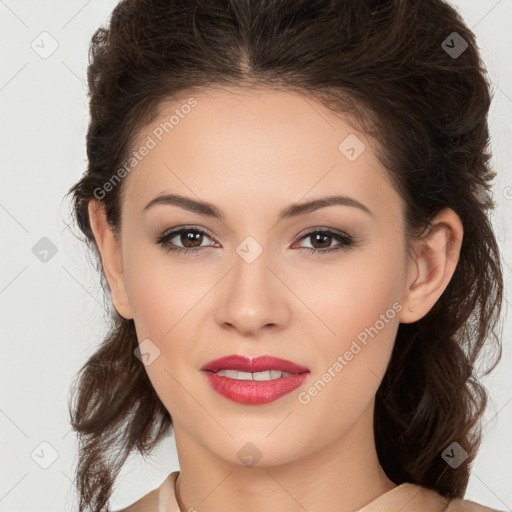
(356, 294)
(160, 297)
(351, 364)
(359, 309)
(160, 291)
(164, 297)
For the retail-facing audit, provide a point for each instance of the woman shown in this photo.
(288, 200)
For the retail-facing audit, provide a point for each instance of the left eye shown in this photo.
(321, 235)
(195, 237)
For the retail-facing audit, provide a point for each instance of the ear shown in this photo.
(110, 253)
(435, 261)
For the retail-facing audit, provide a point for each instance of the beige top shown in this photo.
(405, 497)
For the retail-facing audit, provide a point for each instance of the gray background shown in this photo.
(52, 313)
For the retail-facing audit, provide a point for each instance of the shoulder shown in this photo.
(461, 505)
(409, 497)
(147, 503)
(423, 498)
(430, 498)
(161, 499)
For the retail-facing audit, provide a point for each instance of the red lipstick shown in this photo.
(254, 389)
(253, 364)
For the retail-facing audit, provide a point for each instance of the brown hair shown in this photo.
(383, 63)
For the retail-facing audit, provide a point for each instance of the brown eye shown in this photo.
(190, 238)
(323, 238)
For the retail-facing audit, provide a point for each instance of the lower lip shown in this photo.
(252, 392)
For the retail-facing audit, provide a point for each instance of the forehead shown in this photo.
(274, 147)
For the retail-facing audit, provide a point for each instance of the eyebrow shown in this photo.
(293, 210)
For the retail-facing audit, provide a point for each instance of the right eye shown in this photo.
(187, 235)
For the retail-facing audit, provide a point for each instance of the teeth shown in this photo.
(268, 375)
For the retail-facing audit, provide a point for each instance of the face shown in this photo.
(321, 287)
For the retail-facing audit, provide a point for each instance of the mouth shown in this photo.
(259, 366)
(253, 381)
(258, 376)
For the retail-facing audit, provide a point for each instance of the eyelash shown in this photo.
(347, 242)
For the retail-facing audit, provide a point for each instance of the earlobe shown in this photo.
(110, 253)
(432, 269)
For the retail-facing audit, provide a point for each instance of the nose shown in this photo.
(253, 297)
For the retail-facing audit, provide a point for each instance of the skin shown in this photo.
(251, 154)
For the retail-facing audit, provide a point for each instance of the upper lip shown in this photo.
(253, 364)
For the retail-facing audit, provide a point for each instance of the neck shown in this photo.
(343, 476)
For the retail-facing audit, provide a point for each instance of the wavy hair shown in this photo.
(385, 65)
